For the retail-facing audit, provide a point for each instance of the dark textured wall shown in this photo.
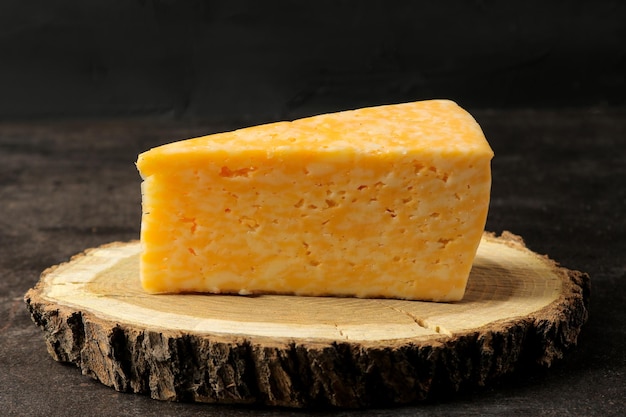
(263, 60)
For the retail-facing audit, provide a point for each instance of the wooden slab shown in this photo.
(519, 308)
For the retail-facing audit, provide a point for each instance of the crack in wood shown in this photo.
(423, 323)
(341, 333)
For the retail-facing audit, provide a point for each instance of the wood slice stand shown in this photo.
(519, 308)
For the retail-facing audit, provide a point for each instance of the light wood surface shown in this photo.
(519, 308)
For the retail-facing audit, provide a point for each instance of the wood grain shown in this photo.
(519, 308)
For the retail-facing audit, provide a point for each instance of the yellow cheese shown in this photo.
(387, 201)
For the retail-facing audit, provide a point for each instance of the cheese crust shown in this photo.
(387, 201)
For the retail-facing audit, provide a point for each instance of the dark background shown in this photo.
(247, 61)
(87, 85)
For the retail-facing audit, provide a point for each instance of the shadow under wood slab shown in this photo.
(519, 308)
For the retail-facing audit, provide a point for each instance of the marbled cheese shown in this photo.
(387, 201)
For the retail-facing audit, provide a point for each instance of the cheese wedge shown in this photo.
(387, 201)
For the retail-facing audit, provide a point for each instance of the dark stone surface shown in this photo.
(558, 181)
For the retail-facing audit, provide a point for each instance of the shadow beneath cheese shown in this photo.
(490, 280)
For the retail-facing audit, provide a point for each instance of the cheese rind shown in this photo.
(387, 201)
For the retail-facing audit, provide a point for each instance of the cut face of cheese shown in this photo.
(387, 201)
